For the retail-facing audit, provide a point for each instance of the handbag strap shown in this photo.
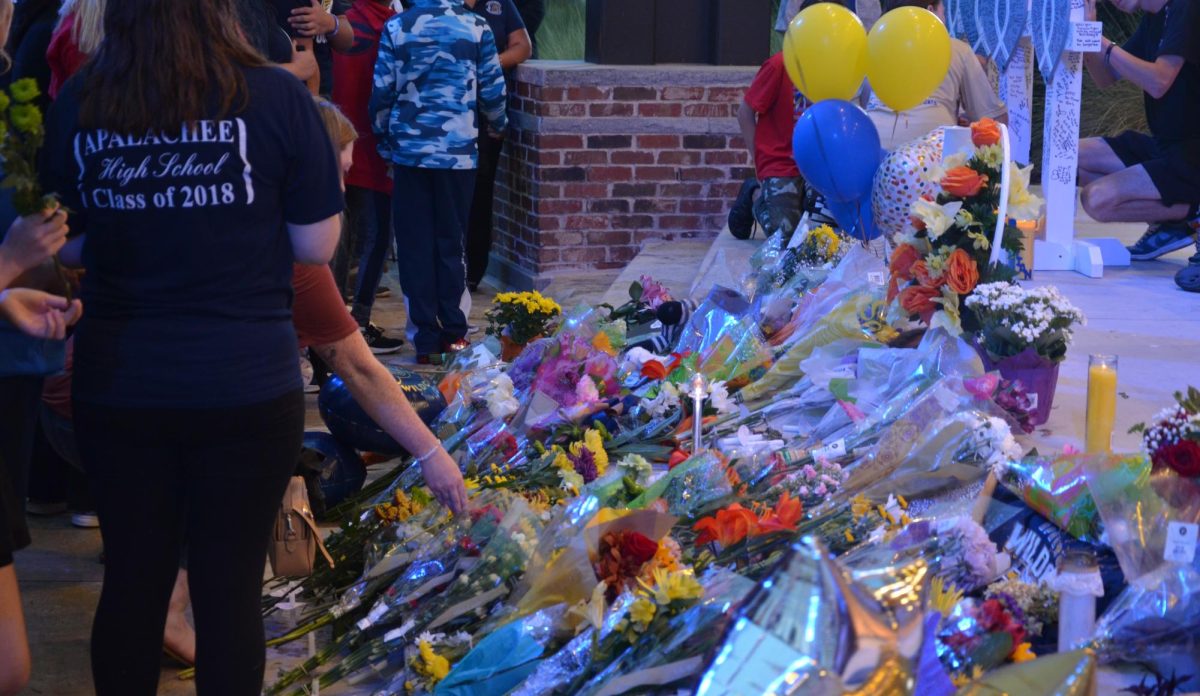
(304, 514)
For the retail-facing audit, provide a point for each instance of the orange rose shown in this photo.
(920, 271)
(962, 273)
(985, 132)
(903, 259)
(918, 299)
(963, 182)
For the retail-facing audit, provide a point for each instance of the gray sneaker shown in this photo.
(1162, 238)
(1188, 277)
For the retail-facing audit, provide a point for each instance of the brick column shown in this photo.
(604, 158)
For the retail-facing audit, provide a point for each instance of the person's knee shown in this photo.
(1099, 200)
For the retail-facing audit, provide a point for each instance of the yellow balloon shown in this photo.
(908, 55)
(824, 52)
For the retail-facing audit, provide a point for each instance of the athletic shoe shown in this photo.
(1162, 238)
(85, 520)
(741, 215)
(1188, 277)
(383, 291)
(378, 342)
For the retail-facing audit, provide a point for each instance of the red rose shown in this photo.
(902, 261)
(1183, 458)
(963, 182)
(985, 132)
(918, 299)
(637, 547)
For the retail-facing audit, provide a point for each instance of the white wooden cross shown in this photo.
(1060, 251)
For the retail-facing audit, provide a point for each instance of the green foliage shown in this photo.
(561, 36)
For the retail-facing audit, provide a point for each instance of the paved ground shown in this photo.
(1136, 312)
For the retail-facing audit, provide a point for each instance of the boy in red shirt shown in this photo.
(767, 118)
(368, 184)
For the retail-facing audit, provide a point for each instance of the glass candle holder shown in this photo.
(1077, 583)
(1101, 403)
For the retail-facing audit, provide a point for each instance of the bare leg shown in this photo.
(1129, 196)
(14, 647)
(179, 637)
(1096, 160)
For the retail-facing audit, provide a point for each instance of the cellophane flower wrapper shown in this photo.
(678, 654)
(1157, 618)
(696, 482)
(560, 571)
(570, 662)
(1056, 487)
(920, 451)
(840, 322)
(721, 313)
(504, 657)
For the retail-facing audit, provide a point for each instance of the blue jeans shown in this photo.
(431, 210)
(370, 217)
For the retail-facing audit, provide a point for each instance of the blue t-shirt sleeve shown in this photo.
(514, 20)
(59, 170)
(312, 191)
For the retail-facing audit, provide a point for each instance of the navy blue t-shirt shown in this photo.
(188, 257)
(503, 18)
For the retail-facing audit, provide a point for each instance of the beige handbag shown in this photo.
(295, 541)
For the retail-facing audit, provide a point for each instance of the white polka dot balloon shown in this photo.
(900, 181)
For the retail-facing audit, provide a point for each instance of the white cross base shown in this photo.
(1060, 251)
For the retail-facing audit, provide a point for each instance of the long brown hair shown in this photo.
(164, 63)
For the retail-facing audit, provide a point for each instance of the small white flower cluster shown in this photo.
(636, 466)
(990, 441)
(1030, 314)
(462, 638)
(1170, 426)
(664, 402)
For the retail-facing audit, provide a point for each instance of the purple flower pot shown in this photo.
(1037, 374)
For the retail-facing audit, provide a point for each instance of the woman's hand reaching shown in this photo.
(445, 481)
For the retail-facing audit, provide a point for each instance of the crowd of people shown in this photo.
(221, 215)
(1131, 177)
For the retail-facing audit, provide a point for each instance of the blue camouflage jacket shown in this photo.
(437, 67)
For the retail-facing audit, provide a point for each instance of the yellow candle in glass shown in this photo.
(1101, 403)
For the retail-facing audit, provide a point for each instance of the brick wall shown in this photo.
(603, 158)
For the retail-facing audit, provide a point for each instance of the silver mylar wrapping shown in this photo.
(811, 630)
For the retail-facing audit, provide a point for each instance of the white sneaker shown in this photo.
(85, 520)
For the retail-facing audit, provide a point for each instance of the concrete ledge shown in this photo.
(577, 73)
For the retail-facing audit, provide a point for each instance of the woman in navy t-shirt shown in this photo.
(192, 171)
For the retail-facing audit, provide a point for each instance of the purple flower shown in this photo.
(585, 464)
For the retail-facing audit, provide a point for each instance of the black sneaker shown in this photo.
(1162, 238)
(378, 342)
(741, 215)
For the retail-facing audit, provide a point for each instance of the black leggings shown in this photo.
(214, 477)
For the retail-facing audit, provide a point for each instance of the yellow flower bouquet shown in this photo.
(521, 316)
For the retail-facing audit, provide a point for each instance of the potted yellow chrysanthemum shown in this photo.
(517, 318)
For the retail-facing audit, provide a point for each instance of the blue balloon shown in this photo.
(350, 424)
(856, 218)
(340, 471)
(837, 149)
